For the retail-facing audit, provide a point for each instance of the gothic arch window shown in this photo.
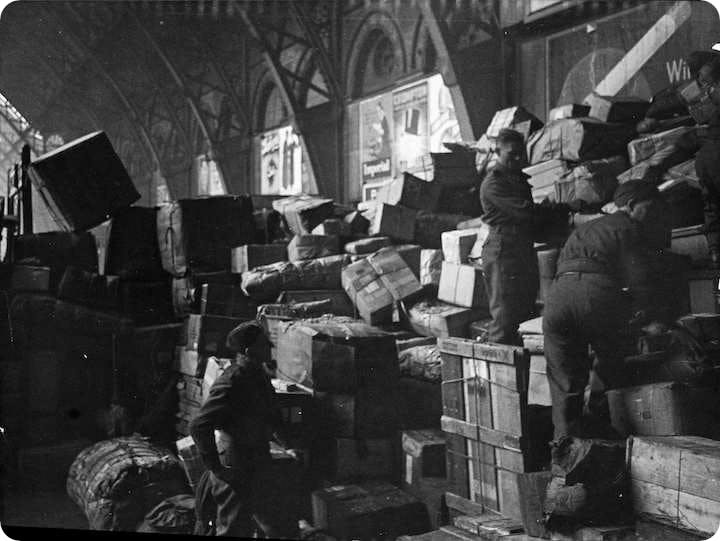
(377, 56)
(271, 110)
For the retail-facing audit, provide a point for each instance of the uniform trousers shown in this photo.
(581, 310)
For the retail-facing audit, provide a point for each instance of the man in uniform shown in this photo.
(587, 305)
(241, 407)
(508, 258)
(707, 167)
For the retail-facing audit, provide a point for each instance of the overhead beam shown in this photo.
(440, 40)
(326, 64)
(186, 94)
(132, 113)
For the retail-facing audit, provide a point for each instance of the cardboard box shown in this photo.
(456, 169)
(593, 181)
(30, 278)
(304, 213)
(312, 247)
(456, 245)
(441, 320)
(368, 245)
(424, 454)
(249, 256)
(661, 409)
(333, 227)
(411, 192)
(462, 285)
(395, 222)
(374, 284)
(337, 355)
(207, 334)
(429, 227)
(227, 301)
(574, 110)
(190, 362)
(198, 234)
(613, 109)
(579, 139)
(358, 224)
(83, 182)
(367, 413)
(410, 253)
(674, 480)
(430, 266)
(509, 118)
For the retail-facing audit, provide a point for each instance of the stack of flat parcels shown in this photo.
(376, 283)
(544, 176)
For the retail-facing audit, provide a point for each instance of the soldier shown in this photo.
(586, 304)
(241, 407)
(508, 256)
(707, 167)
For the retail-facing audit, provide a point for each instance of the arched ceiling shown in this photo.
(168, 81)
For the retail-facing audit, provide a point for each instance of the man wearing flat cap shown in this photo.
(510, 267)
(603, 274)
(233, 429)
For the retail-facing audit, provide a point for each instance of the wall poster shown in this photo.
(376, 138)
(280, 162)
(411, 127)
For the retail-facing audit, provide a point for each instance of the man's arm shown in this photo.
(519, 209)
(636, 269)
(213, 414)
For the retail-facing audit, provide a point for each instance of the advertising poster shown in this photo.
(280, 162)
(636, 53)
(411, 127)
(376, 139)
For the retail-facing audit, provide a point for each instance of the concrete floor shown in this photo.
(47, 507)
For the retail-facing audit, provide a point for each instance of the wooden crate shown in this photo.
(485, 401)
